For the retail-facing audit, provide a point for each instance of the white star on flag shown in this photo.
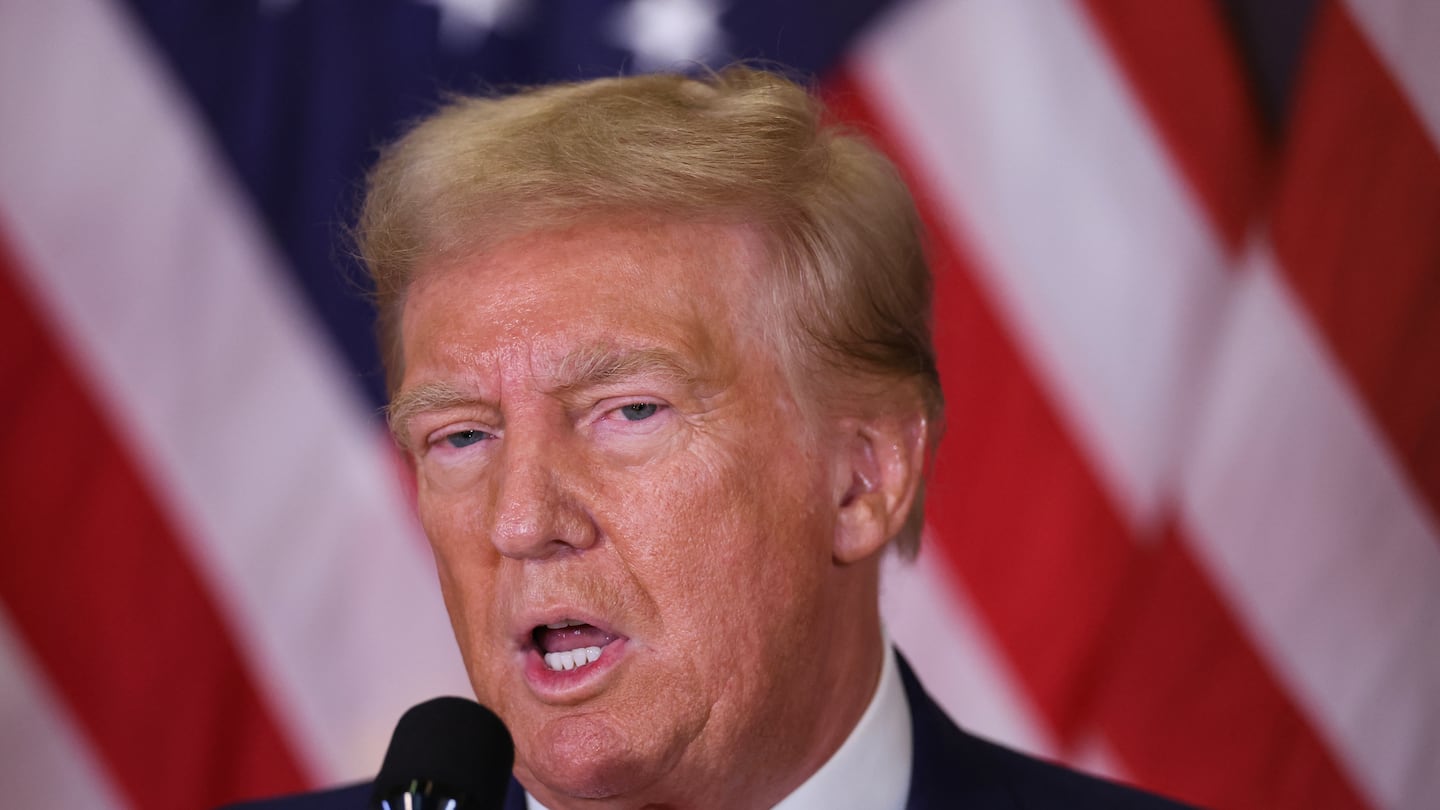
(466, 22)
(668, 33)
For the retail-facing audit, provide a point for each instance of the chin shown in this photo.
(588, 758)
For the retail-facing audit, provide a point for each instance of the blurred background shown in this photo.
(1183, 527)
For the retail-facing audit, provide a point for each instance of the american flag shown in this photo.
(1184, 528)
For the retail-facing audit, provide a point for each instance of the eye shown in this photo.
(636, 411)
(465, 438)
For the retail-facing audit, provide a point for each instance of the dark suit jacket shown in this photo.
(952, 769)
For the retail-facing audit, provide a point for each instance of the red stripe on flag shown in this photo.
(1006, 499)
(1023, 522)
(1180, 60)
(1183, 695)
(103, 596)
(1357, 231)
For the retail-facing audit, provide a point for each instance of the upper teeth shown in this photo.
(561, 625)
(572, 659)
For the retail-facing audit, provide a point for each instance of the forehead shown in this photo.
(691, 288)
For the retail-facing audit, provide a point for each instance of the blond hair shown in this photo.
(738, 146)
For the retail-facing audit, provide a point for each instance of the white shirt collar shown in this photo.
(871, 768)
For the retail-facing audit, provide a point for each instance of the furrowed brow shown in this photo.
(594, 367)
(428, 397)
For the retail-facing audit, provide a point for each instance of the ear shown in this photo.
(881, 464)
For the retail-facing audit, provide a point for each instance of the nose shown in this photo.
(537, 509)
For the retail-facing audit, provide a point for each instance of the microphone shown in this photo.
(447, 753)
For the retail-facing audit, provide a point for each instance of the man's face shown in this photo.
(616, 476)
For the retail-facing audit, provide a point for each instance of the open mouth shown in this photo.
(570, 644)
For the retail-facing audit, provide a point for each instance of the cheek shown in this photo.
(447, 545)
(735, 538)
(452, 521)
(461, 588)
(484, 652)
(466, 571)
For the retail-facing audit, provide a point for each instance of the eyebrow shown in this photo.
(585, 368)
(433, 396)
(601, 365)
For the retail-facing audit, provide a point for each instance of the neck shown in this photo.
(853, 652)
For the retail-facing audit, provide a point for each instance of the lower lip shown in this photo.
(568, 685)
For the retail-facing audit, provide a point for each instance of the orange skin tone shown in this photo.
(682, 496)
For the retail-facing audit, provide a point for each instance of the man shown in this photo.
(659, 356)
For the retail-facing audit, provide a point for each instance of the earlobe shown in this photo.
(881, 465)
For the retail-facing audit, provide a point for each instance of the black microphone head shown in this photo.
(447, 748)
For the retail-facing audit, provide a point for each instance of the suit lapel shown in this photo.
(514, 796)
(949, 768)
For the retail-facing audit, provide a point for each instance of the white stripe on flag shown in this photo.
(174, 303)
(1405, 34)
(931, 619)
(1308, 527)
(44, 761)
(1085, 238)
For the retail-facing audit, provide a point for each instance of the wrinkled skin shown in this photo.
(682, 498)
